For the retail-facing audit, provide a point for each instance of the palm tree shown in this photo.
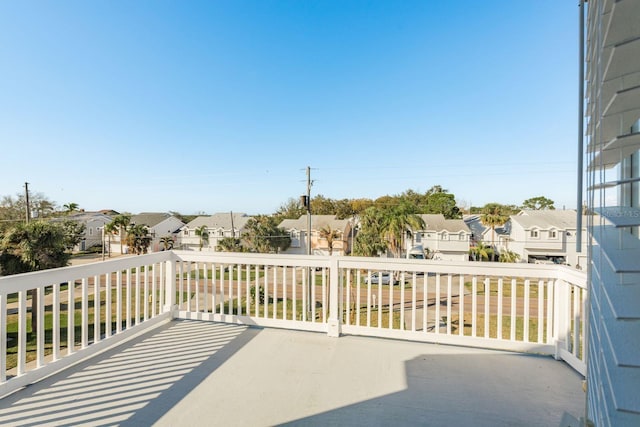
(493, 215)
(396, 222)
(138, 239)
(121, 222)
(110, 229)
(70, 207)
(481, 252)
(508, 256)
(203, 233)
(167, 242)
(229, 244)
(330, 235)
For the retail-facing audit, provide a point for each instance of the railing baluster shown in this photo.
(541, 319)
(514, 295)
(108, 311)
(257, 292)
(474, 306)
(414, 301)
(145, 296)
(55, 323)
(358, 300)
(368, 298)
(239, 289)
(137, 295)
(96, 309)
(275, 290)
(265, 309)
(189, 308)
(527, 297)
(214, 288)
(119, 302)
(197, 287)
(487, 304)
(461, 307)
(379, 305)
(436, 327)
(575, 331)
(84, 323)
(205, 286)
(550, 318)
(181, 286)
(449, 294)
(127, 301)
(294, 286)
(425, 305)
(22, 331)
(500, 296)
(40, 327)
(230, 281)
(222, 282)
(284, 292)
(3, 338)
(324, 296)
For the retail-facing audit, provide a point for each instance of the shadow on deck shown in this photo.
(203, 373)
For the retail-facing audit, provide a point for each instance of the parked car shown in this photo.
(383, 278)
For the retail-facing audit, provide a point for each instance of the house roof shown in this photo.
(220, 220)
(547, 219)
(150, 219)
(84, 217)
(437, 222)
(317, 222)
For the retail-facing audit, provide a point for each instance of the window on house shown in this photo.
(91, 231)
(186, 232)
(445, 236)
(534, 234)
(221, 233)
(462, 237)
(418, 237)
(553, 234)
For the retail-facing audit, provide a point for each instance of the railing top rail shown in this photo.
(26, 281)
(21, 282)
(542, 271)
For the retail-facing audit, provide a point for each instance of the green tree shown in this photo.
(121, 223)
(74, 233)
(263, 235)
(329, 234)
(369, 241)
(291, 209)
(229, 244)
(138, 239)
(493, 216)
(35, 246)
(321, 205)
(203, 233)
(538, 203)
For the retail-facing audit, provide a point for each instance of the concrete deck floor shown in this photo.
(189, 373)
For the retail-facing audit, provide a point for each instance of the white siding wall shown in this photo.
(613, 107)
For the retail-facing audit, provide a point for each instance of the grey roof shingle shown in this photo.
(220, 220)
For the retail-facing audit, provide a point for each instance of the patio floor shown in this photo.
(190, 373)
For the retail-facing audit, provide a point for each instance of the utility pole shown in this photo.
(26, 197)
(308, 210)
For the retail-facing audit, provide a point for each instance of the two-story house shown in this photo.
(546, 236)
(159, 224)
(441, 238)
(217, 227)
(328, 235)
(93, 223)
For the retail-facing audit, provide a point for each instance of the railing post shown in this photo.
(560, 317)
(333, 323)
(170, 286)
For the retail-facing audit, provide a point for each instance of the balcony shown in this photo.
(245, 339)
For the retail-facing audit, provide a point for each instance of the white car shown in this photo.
(383, 278)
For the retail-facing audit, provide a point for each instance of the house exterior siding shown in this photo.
(612, 100)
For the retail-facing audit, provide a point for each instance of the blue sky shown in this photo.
(220, 105)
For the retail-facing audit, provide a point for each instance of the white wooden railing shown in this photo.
(519, 307)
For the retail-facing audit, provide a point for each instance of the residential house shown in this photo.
(159, 224)
(442, 239)
(297, 229)
(545, 236)
(218, 226)
(93, 223)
